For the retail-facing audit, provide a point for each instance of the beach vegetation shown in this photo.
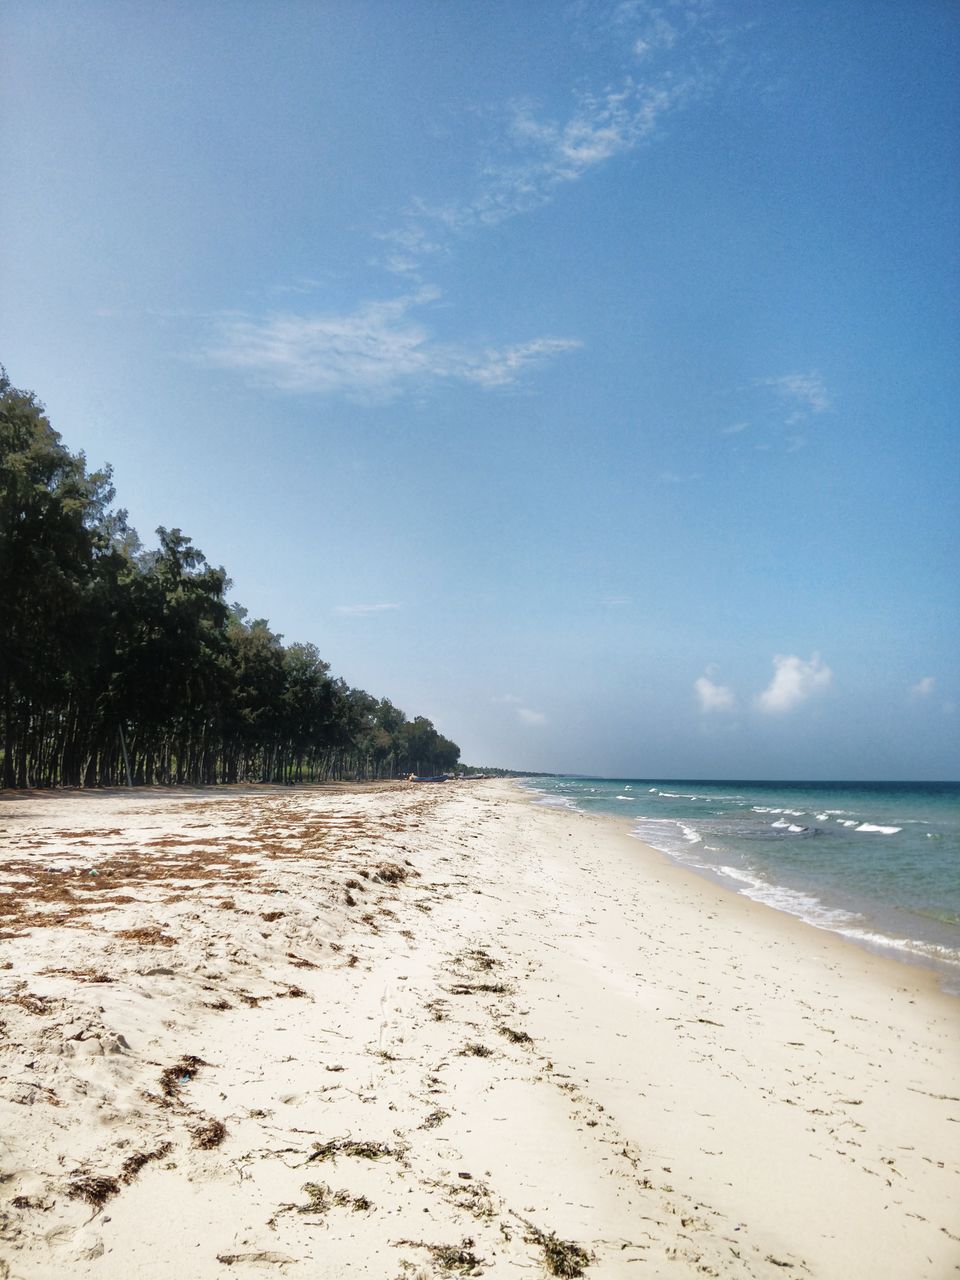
(122, 663)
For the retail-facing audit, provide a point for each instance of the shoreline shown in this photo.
(916, 953)
(417, 1032)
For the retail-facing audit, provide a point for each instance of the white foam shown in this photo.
(933, 951)
(846, 822)
(792, 901)
(883, 831)
(690, 834)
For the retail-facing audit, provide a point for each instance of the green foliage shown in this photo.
(100, 639)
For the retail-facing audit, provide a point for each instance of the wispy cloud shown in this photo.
(924, 687)
(804, 391)
(379, 348)
(531, 717)
(782, 412)
(794, 681)
(676, 477)
(371, 352)
(361, 610)
(713, 696)
(508, 698)
(534, 155)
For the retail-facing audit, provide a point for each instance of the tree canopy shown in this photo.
(108, 648)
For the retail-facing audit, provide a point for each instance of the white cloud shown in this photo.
(734, 429)
(923, 688)
(674, 477)
(714, 697)
(805, 391)
(538, 156)
(532, 157)
(361, 610)
(371, 352)
(531, 717)
(794, 681)
(496, 368)
(510, 698)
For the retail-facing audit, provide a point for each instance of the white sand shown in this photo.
(709, 1087)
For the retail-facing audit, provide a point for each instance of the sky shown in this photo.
(581, 376)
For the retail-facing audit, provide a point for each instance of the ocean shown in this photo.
(878, 862)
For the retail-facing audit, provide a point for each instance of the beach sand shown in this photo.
(407, 1032)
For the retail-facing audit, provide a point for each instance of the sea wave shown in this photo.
(913, 946)
(883, 831)
(555, 802)
(796, 903)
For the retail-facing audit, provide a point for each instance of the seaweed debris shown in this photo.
(208, 1135)
(515, 1037)
(179, 1074)
(133, 1164)
(474, 1050)
(450, 1257)
(562, 1258)
(96, 1189)
(322, 1197)
(349, 1147)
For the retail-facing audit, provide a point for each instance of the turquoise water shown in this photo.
(878, 862)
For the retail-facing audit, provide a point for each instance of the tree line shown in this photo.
(122, 663)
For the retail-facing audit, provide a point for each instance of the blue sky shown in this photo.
(581, 376)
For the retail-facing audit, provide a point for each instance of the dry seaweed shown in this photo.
(474, 1050)
(391, 873)
(322, 1197)
(96, 1189)
(515, 1037)
(348, 1147)
(449, 1257)
(209, 1134)
(133, 1164)
(562, 1258)
(478, 988)
(434, 1119)
(147, 936)
(179, 1074)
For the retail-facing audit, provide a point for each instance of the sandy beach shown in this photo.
(407, 1032)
